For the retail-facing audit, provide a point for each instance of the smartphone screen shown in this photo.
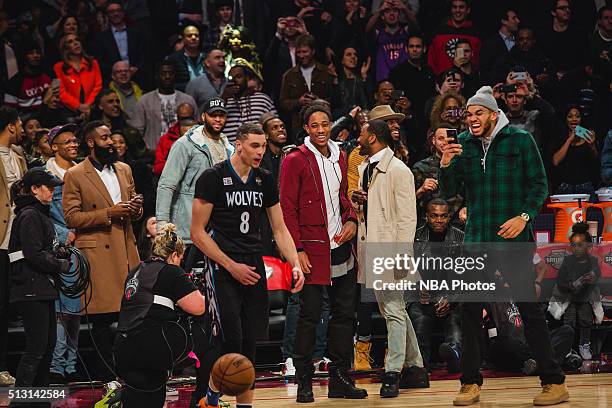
(582, 132)
(520, 76)
(451, 135)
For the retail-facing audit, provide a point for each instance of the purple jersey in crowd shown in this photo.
(391, 51)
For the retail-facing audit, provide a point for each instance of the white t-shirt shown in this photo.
(168, 111)
(307, 74)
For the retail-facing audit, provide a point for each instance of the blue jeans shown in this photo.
(64, 355)
(291, 319)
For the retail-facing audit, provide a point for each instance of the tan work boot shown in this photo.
(6, 379)
(552, 394)
(362, 356)
(468, 395)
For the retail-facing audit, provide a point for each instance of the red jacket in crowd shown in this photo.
(302, 200)
(88, 77)
(442, 49)
(163, 148)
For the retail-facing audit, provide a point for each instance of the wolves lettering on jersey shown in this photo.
(241, 198)
(237, 205)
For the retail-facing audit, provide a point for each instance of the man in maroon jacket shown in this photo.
(321, 220)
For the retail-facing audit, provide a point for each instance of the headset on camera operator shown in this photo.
(34, 268)
(150, 340)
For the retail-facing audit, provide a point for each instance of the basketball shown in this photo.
(233, 374)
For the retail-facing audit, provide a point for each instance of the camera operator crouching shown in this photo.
(33, 268)
(150, 339)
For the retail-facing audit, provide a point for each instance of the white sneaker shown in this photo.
(6, 378)
(322, 366)
(585, 351)
(288, 368)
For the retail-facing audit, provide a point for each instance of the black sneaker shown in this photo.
(304, 392)
(414, 377)
(56, 379)
(73, 377)
(342, 386)
(390, 385)
(452, 357)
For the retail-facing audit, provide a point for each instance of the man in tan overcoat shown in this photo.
(99, 203)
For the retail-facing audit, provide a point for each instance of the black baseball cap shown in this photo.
(38, 176)
(214, 105)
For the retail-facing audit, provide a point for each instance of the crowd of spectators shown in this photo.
(156, 72)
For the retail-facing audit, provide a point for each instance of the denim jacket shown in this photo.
(176, 187)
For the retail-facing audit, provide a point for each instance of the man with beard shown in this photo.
(200, 148)
(277, 138)
(243, 104)
(12, 168)
(100, 203)
(212, 82)
(276, 135)
(387, 204)
(505, 185)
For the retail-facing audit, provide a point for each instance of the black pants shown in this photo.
(509, 353)
(208, 351)
(103, 335)
(536, 333)
(40, 333)
(144, 360)
(517, 271)
(424, 320)
(4, 307)
(343, 299)
(579, 315)
(364, 318)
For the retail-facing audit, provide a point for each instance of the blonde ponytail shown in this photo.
(168, 242)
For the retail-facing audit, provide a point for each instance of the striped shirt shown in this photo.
(246, 109)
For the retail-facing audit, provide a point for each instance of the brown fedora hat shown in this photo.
(384, 112)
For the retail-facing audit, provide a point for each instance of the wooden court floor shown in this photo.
(586, 390)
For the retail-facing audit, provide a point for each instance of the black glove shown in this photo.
(62, 252)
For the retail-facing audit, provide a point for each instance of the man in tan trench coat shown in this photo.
(99, 203)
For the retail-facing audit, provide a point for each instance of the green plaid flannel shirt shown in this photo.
(511, 181)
